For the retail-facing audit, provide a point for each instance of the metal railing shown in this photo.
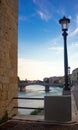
(26, 98)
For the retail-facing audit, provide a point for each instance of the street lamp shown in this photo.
(64, 23)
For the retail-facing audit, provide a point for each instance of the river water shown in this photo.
(35, 91)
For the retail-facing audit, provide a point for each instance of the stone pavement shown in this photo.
(74, 92)
(27, 125)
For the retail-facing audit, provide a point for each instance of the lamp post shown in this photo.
(64, 23)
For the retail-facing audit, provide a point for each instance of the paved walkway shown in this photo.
(74, 95)
(26, 125)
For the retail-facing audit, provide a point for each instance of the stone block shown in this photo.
(58, 108)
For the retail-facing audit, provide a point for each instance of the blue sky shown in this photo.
(40, 41)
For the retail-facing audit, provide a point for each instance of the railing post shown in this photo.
(47, 88)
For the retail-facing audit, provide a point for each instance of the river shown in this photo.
(35, 91)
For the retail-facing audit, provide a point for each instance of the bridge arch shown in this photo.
(22, 85)
(35, 87)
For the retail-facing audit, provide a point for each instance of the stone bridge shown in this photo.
(23, 84)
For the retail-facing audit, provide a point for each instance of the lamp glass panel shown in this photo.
(64, 25)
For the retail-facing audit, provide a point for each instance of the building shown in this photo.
(54, 81)
(75, 75)
(8, 57)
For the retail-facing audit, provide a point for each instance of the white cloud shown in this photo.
(33, 70)
(43, 9)
(73, 33)
(77, 19)
(74, 45)
(23, 18)
(61, 11)
(56, 44)
(57, 48)
(35, 1)
(44, 15)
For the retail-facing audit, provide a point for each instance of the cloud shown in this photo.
(74, 27)
(77, 19)
(47, 9)
(74, 44)
(60, 11)
(34, 69)
(43, 9)
(73, 33)
(35, 1)
(44, 15)
(56, 48)
(73, 50)
(23, 18)
(55, 44)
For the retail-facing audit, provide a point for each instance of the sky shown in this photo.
(40, 40)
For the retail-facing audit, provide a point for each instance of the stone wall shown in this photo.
(8, 56)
